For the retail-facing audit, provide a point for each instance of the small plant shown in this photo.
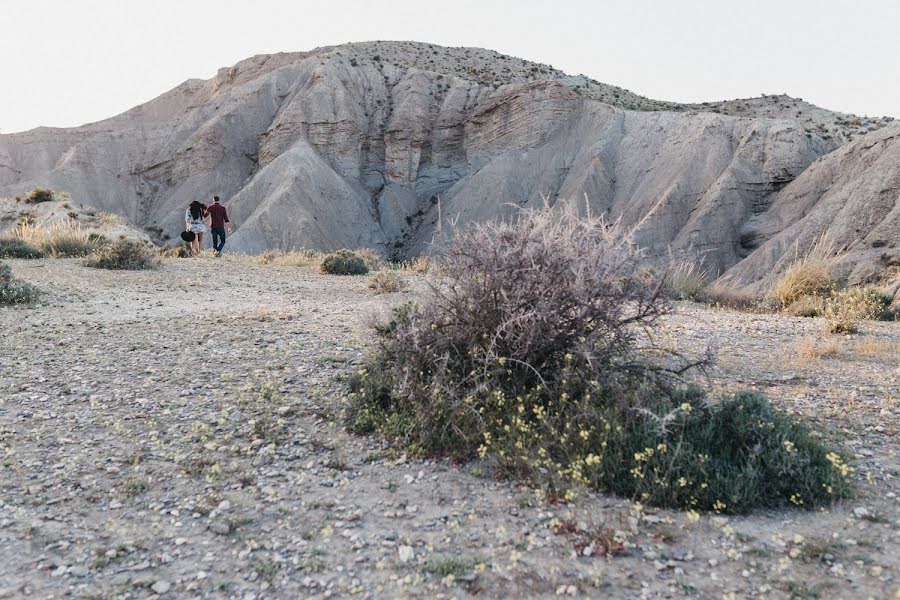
(811, 348)
(13, 291)
(806, 306)
(124, 255)
(344, 262)
(456, 566)
(110, 219)
(16, 248)
(372, 258)
(386, 282)
(687, 280)
(722, 296)
(179, 250)
(294, 258)
(38, 195)
(811, 275)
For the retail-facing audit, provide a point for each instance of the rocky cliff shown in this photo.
(382, 144)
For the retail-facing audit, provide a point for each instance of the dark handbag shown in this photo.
(188, 236)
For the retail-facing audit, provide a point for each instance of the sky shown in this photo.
(68, 62)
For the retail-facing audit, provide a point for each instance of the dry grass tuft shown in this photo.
(294, 258)
(871, 347)
(812, 348)
(387, 282)
(811, 275)
(59, 240)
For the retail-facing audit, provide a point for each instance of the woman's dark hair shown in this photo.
(196, 210)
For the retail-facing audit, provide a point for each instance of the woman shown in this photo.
(195, 220)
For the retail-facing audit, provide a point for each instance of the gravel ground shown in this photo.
(171, 434)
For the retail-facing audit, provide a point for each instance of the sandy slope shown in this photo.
(141, 457)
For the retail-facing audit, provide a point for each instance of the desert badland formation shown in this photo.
(382, 144)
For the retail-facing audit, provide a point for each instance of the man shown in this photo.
(220, 223)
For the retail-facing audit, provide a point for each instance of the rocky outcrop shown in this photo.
(391, 144)
(850, 199)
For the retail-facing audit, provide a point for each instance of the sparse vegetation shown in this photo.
(345, 262)
(16, 248)
(123, 254)
(38, 195)
(59, 240)
(559, 384)
(687, 280)
(810, 275)
(386, 282)
(13, 291)
(294, 258)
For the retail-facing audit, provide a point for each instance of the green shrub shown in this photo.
(38, 195)
(13, 291)
(124, 255)
(733, 456)
(344, 262)
(15, 248)
(532, 353)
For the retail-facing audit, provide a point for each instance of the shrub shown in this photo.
(734, 456)
(687, 280)
(372, 258)
(812, 275)
(532, 352)
(38, 195)
(15, 248)
(719, 295)
(179, 250)
(13, 291)
(124, 255)
(344, 262)
(294, 258)
(59, 240)
(844, 308)
(806, 306)
(386, 282)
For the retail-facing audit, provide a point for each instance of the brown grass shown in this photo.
(810, 275)
(812, 348)
(386, 282)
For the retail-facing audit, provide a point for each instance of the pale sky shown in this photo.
(68, 62)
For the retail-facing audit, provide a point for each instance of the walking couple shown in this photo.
(196, 218)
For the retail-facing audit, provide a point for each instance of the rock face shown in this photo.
(390, 144)
(850, 199)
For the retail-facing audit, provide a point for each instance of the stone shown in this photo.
(161, 587)
(405, 553)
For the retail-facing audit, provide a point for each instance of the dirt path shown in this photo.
(171, 433)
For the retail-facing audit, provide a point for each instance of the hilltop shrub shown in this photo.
(344, 262)
(535, 352)
(124, 255)
(15, 248)
(38, 195)
(13, 291)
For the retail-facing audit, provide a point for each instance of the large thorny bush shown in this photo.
(537, 350)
